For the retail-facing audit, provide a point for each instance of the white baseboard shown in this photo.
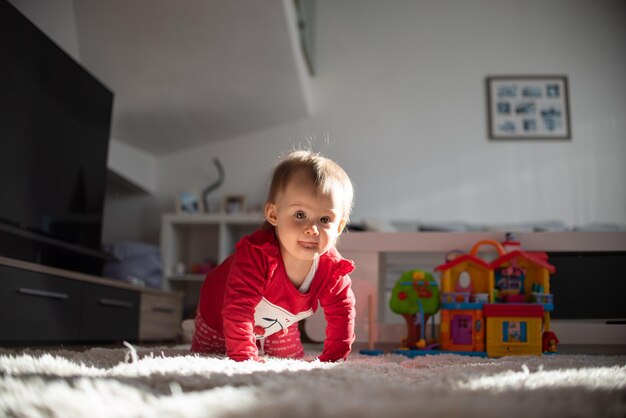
(570, 332)
(579, 332)
(588, 331)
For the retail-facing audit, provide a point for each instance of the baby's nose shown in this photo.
(311, 230)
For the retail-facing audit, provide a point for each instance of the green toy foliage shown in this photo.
(405, 293)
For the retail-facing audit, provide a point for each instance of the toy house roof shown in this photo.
(536, 259)
(463, 258)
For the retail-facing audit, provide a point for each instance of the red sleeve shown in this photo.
(338, 305)
(244, 289)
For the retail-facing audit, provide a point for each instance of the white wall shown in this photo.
(133, 164)
(131, 209)
(401, 95)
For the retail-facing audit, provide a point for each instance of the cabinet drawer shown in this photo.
(109, 314)
(160, 317)
(38, 307)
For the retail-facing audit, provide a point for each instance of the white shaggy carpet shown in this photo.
(172, 383)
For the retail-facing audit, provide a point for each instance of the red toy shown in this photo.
(549, 342)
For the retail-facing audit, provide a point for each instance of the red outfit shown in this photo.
(249, 296)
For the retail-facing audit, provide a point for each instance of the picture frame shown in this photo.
(234, 203)
(189, 202)
(528, 107)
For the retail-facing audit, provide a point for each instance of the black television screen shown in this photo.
(54, 132)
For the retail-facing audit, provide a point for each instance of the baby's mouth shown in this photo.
(308, 245)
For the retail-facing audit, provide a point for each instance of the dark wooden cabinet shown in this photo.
(40, 305)
(109, 314)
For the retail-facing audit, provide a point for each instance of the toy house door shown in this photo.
(461, 330)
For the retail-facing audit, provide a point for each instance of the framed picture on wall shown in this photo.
(528, 107)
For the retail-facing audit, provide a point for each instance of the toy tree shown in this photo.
(415, 296)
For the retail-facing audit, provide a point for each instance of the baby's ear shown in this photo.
(270, 214)
(342, 225)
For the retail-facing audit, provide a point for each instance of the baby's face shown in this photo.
(307, 222)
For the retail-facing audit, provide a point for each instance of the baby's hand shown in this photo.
(251, 358)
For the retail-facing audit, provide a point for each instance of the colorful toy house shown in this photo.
(522, 277)
(502, 307)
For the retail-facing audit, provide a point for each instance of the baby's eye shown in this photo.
(300, 215)
(325, 219)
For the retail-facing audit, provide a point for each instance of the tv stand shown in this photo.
(76, 249)
(43, 305)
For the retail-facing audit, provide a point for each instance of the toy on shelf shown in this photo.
(487, 308)
(202, 268)
(415, 297)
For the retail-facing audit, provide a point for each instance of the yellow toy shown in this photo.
(513, 329)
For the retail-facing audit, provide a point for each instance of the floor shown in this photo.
(590, 349)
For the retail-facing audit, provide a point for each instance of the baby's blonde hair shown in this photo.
(323, 172)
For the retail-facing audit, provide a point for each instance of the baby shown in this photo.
(278, 274)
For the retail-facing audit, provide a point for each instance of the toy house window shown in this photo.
(514, 332)
(510, 278)
(464, 282)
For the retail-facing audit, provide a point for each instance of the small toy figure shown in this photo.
(549, 342)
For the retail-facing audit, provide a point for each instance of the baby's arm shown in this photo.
(338, 304)
(244, 288)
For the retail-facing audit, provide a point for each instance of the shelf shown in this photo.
(197, 238)
(246, 218)
(580, 258)
(187, 278)
(388, 242)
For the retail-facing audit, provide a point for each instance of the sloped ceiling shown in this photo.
(186, 73)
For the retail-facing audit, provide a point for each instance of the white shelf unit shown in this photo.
(195, 238)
